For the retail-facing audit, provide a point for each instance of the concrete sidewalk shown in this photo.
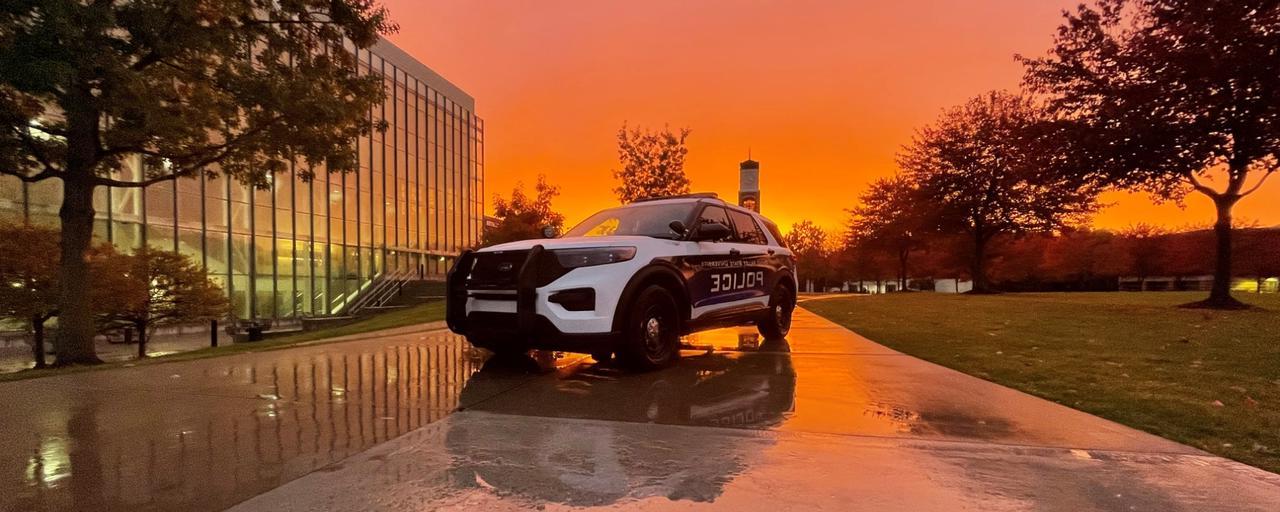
(408, 419)
(828, 421)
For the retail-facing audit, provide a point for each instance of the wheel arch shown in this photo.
(787, 277)
(659, 273)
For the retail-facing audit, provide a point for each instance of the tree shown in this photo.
(152, 288)
(978, 172)
(1166, 96)
(523, 217)
(809, 243)
(1258, 254)
(889, 219)
(1081, 259)
(1145, 244)
(652, 163)
(29, 279)
(241, 88)
(806, 238)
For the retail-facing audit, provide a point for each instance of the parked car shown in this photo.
(628, 281)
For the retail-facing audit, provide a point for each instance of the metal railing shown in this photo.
(384, 288)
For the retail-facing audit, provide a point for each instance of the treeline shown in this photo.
(1074, 260)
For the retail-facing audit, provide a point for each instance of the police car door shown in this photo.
(755, 259)
(719, 282)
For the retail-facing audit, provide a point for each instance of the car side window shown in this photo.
(714, 214)
(748, 231)
(777, 235)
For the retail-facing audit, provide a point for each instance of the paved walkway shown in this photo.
(826, 421)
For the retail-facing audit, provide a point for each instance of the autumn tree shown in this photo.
(29, 279)
(888, 217)
(1171, 97)
(1082, 258)
(862, 262)
(652, 163)
(811, 247)
(152, 288)
(977, 171)
(1145, 245)
(241, 88)
(522, 217)
(1258, 254)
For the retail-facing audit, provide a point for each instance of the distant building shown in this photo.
(312, 248)
(749, 184)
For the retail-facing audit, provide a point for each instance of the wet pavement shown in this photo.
(826, 420)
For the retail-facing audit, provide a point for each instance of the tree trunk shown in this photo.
(978, 267)
(902, 269)
(1220, 294)
(37, 340)
(74, 343)
(142, 339)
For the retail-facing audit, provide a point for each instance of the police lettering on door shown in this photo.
(736, 280)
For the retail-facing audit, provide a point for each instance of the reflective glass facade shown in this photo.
(308, 248)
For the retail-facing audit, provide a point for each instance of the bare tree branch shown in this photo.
(1258, 185)
(1201, 187)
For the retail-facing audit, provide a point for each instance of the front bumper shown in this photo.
(514, 321)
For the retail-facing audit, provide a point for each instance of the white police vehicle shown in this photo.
(628, 281)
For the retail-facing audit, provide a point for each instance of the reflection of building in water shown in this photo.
(749, 184)
(226, 444)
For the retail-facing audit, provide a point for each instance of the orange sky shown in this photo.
(824, 93)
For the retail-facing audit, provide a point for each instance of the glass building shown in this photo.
(303, 249)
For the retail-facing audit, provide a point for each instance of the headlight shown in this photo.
(574, 258)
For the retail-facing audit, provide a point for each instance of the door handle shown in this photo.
(735, 252)
(771, 252)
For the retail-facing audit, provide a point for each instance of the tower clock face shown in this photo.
(750, 180)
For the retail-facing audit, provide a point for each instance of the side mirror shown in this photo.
(712, 231)
(677, 227)
(549, 232)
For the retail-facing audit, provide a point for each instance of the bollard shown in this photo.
(213, 333)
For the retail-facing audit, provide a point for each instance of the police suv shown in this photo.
(628, 281)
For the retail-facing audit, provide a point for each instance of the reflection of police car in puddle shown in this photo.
(628, 281)
(594, 462)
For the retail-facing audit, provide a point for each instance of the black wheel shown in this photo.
(602, 356)
(776, 323)
(651, 333)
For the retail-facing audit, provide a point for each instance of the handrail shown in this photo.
(381, 291)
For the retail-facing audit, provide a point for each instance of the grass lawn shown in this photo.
(422, 313)
(1209, 379)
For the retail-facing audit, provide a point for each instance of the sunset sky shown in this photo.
(823, 93)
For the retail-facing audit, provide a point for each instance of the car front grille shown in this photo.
(496, 270)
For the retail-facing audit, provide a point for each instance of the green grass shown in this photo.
(1210, 379)
(422, 313)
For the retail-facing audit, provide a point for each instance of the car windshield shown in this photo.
(635, 220)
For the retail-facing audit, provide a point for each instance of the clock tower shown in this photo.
(749, 185)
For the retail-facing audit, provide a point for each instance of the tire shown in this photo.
(776, 323)
(651, 331)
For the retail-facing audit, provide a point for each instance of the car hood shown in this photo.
(571, 243)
